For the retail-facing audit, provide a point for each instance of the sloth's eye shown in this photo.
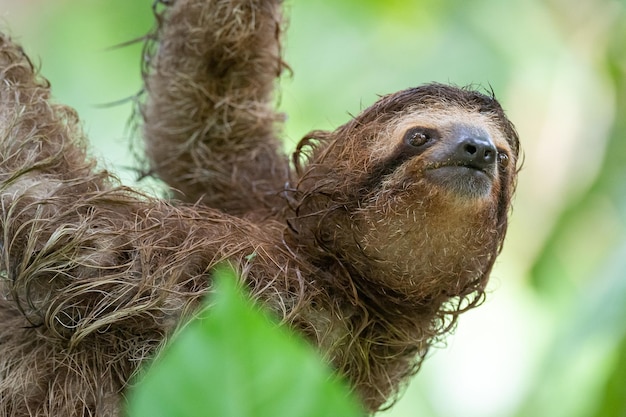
(503, 159)
(418, 136)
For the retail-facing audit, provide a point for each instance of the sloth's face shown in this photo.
(439, 184)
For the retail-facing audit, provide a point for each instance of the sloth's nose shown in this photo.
(476, 151)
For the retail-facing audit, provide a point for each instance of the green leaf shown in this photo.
(613, 401)
(233, 361)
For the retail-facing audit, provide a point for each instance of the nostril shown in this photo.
(470, 149)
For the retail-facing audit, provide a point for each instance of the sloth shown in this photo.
(369, 240)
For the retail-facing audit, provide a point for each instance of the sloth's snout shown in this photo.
(474, 150)
(465, 162)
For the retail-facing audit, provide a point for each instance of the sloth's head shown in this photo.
(414, 192)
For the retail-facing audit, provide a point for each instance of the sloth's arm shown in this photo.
(92, 275)
(55, 204)
(209, 120)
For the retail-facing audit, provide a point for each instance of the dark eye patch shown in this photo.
(415, 141)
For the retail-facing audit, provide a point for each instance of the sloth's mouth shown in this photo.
(451, 165)
(463, 179)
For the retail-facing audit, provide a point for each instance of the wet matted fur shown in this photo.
(370, 242)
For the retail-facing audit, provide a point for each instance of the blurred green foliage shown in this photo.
(590, 284)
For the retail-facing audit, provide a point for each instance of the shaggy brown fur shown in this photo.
(371, 245)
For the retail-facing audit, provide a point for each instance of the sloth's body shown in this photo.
(378, 237)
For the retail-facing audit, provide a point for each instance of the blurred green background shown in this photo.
(551, 339)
